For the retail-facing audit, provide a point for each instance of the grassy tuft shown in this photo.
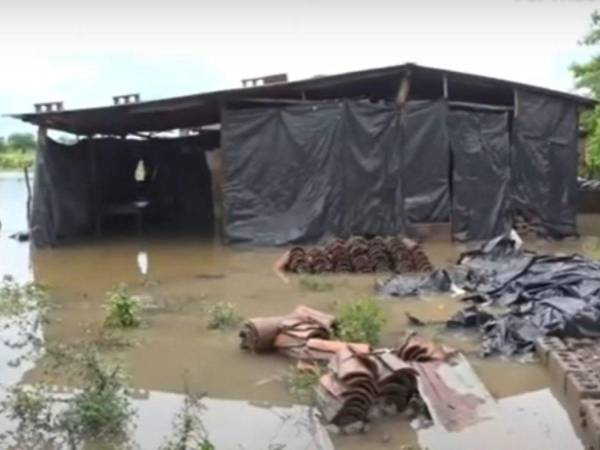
(315, 284)
(360, 321)
(122, 308)
(302, 383)
(223, 316)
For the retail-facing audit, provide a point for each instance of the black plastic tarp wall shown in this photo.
(426, 167)
(480, 149)
(298, 173)
(545, 162)
(61, 192)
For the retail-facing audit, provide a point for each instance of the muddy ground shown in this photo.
(185, 277)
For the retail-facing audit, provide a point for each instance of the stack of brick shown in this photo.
(574, 366)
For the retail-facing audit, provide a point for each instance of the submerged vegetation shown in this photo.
(101, 409)
(17, 298)
(301, 383)
(360, 321)
(188, 430)
(223, 316)
(122, 308)
(315, 284)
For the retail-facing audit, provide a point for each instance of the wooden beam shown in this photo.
(271, 101)
(403, 90)
(480, 106)
(445, 86)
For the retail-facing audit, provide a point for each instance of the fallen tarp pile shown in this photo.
(545, 295)
(358, 254)
(557, 295)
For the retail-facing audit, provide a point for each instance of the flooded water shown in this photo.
(174, 350)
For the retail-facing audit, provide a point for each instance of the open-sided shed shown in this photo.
(369, 152)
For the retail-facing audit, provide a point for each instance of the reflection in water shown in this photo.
(226, 424)
(188, 277)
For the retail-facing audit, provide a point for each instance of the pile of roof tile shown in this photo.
(358, 382)
(361, 255)
(302, 334)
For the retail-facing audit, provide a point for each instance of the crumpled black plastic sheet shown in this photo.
(545, 295)
(542, 295)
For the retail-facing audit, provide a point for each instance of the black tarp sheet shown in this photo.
(480, 148)
(531, 295)
(426, 162)
(298, 173)
(545, 162)
(61, 192)
(555, 295)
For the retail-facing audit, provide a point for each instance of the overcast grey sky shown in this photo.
(83, 52)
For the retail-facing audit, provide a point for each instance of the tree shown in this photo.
(587, 76)
(2, 145)
(22, 141)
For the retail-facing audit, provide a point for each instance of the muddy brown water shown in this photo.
(186, 276)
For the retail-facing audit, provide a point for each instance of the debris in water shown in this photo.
(288, 333)
(21, 236)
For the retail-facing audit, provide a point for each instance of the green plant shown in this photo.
(315, 284)
(223, 316)
(122, 309)
(360, 321)
(102, 408)
(302, 383)
(188, 430)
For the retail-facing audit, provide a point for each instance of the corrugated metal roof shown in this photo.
(202, 109)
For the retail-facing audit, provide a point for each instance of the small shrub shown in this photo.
(315, 284)
(102, 408)
(122, 309)
(360, 321)
(223, 316)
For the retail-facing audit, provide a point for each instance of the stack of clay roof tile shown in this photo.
(356, 382)
(361, 255)
(302, 332)
(415, 348)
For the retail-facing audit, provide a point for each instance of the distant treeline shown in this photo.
(17, 150)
